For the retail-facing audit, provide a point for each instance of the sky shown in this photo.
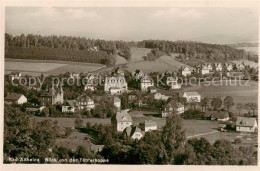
(134, 24)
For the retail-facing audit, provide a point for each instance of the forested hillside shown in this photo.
(81, 49)
(199, 51)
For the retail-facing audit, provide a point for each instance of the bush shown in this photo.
(238, 141)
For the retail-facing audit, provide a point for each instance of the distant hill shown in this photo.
(225, 39)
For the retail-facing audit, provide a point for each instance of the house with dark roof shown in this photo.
(52, 96)
(121, 120)
(171, 107)
(85, 102)
(134, 132)
(246, 124)
(15, 98)
(149, 125)
(115, 84)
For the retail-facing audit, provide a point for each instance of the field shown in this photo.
(37, 67)
(138, 53)
(69, 122)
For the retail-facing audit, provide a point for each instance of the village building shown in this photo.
(85, 102)
(206, 68)
(89, 82)
(117, 102)
(15, 98)
(192, 96)
(146, 82)
(218, 67)
(149, 125)
(229, 66)
(121, 120)
(115, 85)
(134, 132)
(246, 124)
(170, 81)
(35, 110)
(118, 72)
(159, 96)
(52, 96)
(173, 106)
(70, 106)
(15, 75)
(185, 72)
(138, 74)
(240, 67)
(219, 116)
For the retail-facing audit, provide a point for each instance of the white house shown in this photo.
(117, 103)
(229, 66)
(134, 132)
(115, 84)
(122, 120)
(15, 98)
(70, 106)
(89, 82)
(146, 82)
(173, 106)
(185, 72)
(85, 102)
(15, 75)
(149, 125)
(192, 96)
(159, 96)
(206, 68)
(245, 124)
(218, 66)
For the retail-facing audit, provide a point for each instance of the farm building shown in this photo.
(149, 125)
(121, 120)
(134, 132)
(70, 106)
(159, 96)
(35, 109)
(173, 106)
(192, 96)
(220, 116)
(15, 98)
(244, 124)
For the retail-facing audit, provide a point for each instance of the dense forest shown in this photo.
(81, 49)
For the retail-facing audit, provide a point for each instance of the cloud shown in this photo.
(178, 13)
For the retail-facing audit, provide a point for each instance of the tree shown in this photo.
(228, 102)
(216, 103)
(173, 137)
(78, 123)
(205, 103)
(239, 107)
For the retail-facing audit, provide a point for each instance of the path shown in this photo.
(202, 134)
